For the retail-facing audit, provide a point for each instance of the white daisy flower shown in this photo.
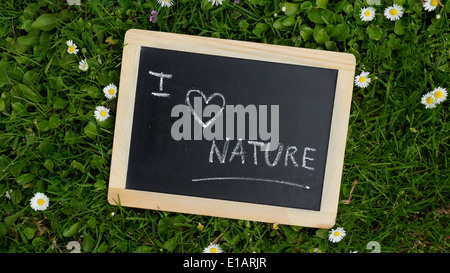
(39, 201)
(393, 12)
(367, 14)
(216, 2)
(83, 65)
(72, 47)
(110, 91)
(428, 100)
(336, 235)
(101, 113)
(439, 94)
(212, 248)
(73, 2)
(165, 3)
(430, 5)
(362, 80)
(8, 194)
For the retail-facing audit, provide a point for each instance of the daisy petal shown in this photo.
(393, 12)
(165, 3)
(430, 5)
(362, 80)
(110, 91)
(39, 201)
(212, 248)
(367, 14)
(83, 65)
(72, 47)
(336, 235)
(439, 94)
(101, 113)
(216, 2)
(428, 100)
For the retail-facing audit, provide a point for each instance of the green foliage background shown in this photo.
(397, 151)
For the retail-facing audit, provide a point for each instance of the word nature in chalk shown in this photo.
(239, 151)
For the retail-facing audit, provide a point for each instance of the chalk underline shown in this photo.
(158, 94)
(253, 179)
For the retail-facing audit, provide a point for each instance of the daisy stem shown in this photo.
(347, 202)
(217, 238)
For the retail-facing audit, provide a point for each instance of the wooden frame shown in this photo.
(325, 218)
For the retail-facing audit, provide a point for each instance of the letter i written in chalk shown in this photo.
(161, 77)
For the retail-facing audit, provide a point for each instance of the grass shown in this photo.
(397, 151)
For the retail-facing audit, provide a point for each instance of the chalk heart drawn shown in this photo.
(207, 100)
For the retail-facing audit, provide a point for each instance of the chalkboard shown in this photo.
(230, 129)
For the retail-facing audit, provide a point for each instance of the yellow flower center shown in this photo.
(362, 79)
(367, 13)
(393, 11)
(336, 234)
(40, 201)
(213, 250)
(102, 113)
(434, 3)
(111, 91)
(429, 100)
(71, 49)
(437, 94)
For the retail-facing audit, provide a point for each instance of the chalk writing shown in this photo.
(215, 111)
(307, 158)
(239, 150)
(207, 100)
(161, 77)
(253, 179)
